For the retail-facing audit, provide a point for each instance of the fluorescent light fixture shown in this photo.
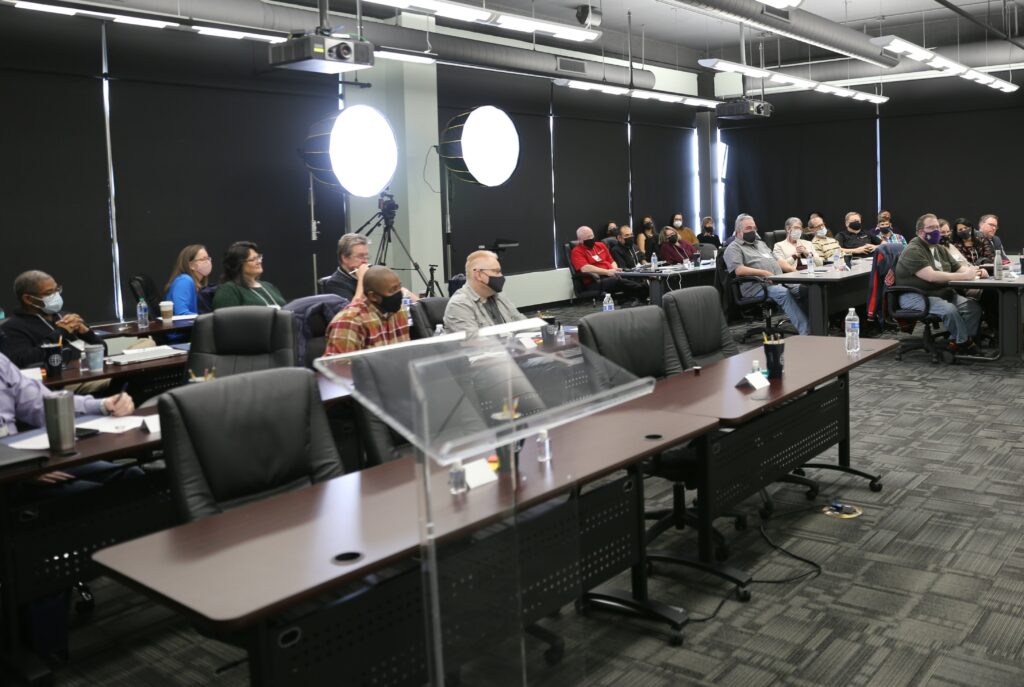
(363, 151)
(735, 67)
(515, 22)
(640, 94)
(138, 21)
(794, 82)
(782, 4)
(39, 7)
(405, 56)
(440, 8)
(701, 102)
(945, 66)
(592, 86)
(237, 35)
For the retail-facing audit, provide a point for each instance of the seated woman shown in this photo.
(191, 270)
(647, 238)
(973, 245)
(241, 284)
(685, 233)
(673, 251)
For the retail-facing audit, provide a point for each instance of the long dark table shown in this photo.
(173, 366)
(660, 282)
(156, 326)
(829, 291)
(1010, 292)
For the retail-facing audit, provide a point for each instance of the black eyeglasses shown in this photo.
(254, 259)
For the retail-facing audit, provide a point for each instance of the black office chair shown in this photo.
(638, 340)
(758, 300)
(697, 326)
(773, 237)
(707, 251)
(312, 315)
(908, 317)
(582, 291)
(144, 288)
(427, 313)
(245, 338)
(228, 443)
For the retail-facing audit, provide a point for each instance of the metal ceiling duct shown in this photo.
(278, 16)
(802, 26)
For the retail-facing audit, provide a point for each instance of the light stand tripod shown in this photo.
(387, 207)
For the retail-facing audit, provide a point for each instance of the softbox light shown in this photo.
(354, 149)
(481, 146)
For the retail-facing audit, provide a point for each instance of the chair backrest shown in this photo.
(698, 327)
(244, 338)
(883, 274)
(143, 287)
(773, 237)
(427, 313)
(707, 251)
(635, 339)
(581, 290)
(456, 283)
(233, 441)
(312, 315)
(321, 282)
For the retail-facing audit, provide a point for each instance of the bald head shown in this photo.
(380, 282)
(584, 233)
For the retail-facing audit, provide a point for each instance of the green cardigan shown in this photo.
(230, 293)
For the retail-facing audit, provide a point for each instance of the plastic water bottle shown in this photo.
(838, 262)
(654, 261)
(608, 304)
(997, 265)
(439, 330)
(142, 314)
(2, 314)
(852, 332)
(407, 309)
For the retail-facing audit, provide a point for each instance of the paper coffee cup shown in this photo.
(166, 309)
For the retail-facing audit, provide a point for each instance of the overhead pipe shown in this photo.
(988, 27)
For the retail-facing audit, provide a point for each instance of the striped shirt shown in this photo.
(362, 325)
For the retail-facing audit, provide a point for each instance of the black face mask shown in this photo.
(589, 243)
(628, 241)
(496, 283)
(854, 226)
(648, 225)
(708, 228)
(944, 241)
(750, 236)
(673, 240)
(965, 234)
(391, 304)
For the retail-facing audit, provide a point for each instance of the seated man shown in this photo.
(353, 261)
(854, 240)
(795, 250)
(39, 320)
(928, 266)
(625, 252)
(480, 302)
(988, 225)
(594, 261)
(376, 319)
(824, 245)
(748, 256)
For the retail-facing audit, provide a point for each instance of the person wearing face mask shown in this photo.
(707, 233)
(647, 239)
(376, 319)
(672, 249)
(825, 246)
(624, 250)
(749, 256)
(886, 233)
(975, 247)
(926, 265)
(480, 302)
(191, 270)
(854, 240)
(594, 261)
(685, 233)
(40, 320)
(795, 250)
(946, 241)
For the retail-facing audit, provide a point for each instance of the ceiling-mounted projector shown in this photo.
(588, 15)
(322, 54)
(744, 108)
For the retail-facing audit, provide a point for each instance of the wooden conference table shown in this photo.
(293, 543)
(829, 291)
(156, 326)
(660, 282)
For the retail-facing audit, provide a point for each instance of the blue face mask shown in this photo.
(52, 304)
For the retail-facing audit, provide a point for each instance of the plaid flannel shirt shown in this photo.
(362, 325)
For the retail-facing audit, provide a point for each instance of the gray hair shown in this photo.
(793, 221)
(26, 282)
(581, 230)
(349, 241)
(740, 219)
(851, 213)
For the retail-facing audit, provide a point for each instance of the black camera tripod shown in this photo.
(385, 217)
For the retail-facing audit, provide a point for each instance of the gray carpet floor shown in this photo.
(926, 588)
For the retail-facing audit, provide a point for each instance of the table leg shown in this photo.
(655, 291)
(844, 442)
(1009, 323)
(817, 306)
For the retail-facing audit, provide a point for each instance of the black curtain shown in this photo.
(206, 151)
(662, 185)
(774, 172)
(954, 164)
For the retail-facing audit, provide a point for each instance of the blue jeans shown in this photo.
(961, 316)
(789, 298)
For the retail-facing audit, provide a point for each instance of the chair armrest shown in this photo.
(748, 300)
(897, 311)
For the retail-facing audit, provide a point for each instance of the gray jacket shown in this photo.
(466, 311)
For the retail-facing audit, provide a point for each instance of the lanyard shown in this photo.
(270, 303)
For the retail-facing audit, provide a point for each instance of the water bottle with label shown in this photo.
(142, 314)
(852, 332)
(407, 309)
(608, 304)
(838, 262)
(997, 265)
(654, 261)
(439, 330)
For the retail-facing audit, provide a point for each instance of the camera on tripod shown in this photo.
(387, 205)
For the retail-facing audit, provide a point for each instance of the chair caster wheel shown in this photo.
(553, 656)
(743, 594)
(722, 553)
(740, 523)
(675, 639)
(875, 485)
(811, 494)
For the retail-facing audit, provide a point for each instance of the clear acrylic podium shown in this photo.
(504, 543)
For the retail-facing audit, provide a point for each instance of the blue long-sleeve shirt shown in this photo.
(21, 399)
(183, 294)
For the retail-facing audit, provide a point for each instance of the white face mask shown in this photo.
(822, 232)
(51, 304)
(677, 224)
(795, 234)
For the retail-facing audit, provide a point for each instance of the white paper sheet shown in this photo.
(39, 442)
(479, 473)
(33, 373)
(113, 425)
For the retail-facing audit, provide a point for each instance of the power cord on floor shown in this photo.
(717, 608)
(811, 574)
